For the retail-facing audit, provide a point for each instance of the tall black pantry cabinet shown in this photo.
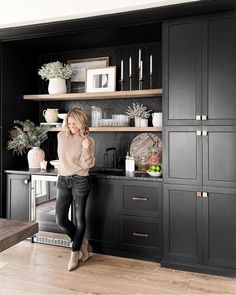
(199, 109)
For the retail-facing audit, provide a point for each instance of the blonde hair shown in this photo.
(81, 120)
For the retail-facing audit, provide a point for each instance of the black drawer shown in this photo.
(141, 200)
(140, 234)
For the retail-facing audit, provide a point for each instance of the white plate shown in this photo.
(55, 163)
(154, 174)
(61, 116)
(52, 124)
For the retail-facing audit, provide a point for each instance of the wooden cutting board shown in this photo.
(142, 143)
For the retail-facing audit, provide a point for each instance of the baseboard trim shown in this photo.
(205, 269)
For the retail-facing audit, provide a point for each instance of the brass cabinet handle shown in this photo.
(199, 133)
(139, 198)
(204, 194)
(142, 235)
(204, 117)
(204, 133)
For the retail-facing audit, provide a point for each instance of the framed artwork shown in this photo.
(101, 79)
(79, 67)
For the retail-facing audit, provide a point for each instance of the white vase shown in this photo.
(137, 121)
(144, 122)
(57, 86)
(35, 156)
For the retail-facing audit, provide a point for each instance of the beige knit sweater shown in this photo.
(73, 157)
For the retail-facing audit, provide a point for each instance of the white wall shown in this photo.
(26, 12)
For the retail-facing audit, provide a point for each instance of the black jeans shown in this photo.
(74, 189)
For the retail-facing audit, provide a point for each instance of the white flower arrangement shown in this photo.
(138, 111)
(55, 70)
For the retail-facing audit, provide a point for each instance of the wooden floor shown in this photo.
(42, 269)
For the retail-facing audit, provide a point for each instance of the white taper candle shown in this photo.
(151, 64)
(122, 70)
(130, 67)
(141, 70)
(139, 58)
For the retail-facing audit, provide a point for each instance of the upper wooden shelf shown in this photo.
(98, 95)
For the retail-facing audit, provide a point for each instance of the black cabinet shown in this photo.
(140, 218)
(200, 227)
(18, 192)
(101, 212)
(219, 227)
(199, 70)
(182, 210)
(200, 155)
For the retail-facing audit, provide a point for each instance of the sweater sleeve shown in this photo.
(87, 159)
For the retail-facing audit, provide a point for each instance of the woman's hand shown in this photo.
(86, 143)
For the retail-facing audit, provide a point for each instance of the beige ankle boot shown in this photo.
(84, 250)
(74, 260)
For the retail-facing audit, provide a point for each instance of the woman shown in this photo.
(76, 156)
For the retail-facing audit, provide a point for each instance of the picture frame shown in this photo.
(77, 81)
(101, 79)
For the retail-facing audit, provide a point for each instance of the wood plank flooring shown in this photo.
(41, 269)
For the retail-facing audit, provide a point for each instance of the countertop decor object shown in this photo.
(142, 143)
(154, 173)
(25, 136)
(55, 163)
(28, 137)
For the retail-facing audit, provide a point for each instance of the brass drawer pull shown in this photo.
(198, 118)
(140, 235)
(139, 198)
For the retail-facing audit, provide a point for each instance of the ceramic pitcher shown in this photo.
(157, 119)
(50, 115)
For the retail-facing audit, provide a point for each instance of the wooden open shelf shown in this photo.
(98, 95)
(116, 129)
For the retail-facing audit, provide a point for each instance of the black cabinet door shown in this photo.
(219, 69)
(182, 223)
(219, 156)
(199, 70)
(182, 71)
(18, 191)
(219, 227)
(182, 159)
(100, 212)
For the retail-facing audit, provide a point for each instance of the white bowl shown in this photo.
(154, 174)
(55, 163)
(61, 116)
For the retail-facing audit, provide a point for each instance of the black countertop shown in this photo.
(97, 172)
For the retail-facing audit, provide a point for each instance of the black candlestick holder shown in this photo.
(140, 84)
(150, 81)
(130, 82)
(121, 85)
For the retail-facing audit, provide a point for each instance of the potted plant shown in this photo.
(139, 113)
(57, 73)
(28, 137)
